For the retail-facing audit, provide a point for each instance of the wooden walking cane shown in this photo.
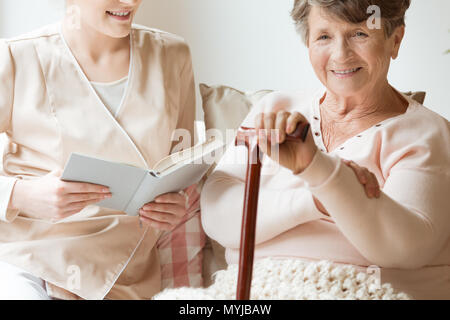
(248, 137)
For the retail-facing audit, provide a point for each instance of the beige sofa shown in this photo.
(224, 108)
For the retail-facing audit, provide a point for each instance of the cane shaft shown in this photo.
(248, 227)
(247, 137)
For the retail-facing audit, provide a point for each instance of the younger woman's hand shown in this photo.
(169, 210)
(51, 199)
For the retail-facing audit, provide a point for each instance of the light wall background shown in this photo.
(252, 44)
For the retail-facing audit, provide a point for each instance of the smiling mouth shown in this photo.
(347, 72)
(121, 15)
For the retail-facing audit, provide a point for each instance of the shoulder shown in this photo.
(419, 123)
(22, 45)
(165, 40)
(41, 33)
(420, 134)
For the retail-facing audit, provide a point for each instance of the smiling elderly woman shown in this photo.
(314, 207)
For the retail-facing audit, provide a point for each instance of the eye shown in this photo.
(361, 34)
(323, 37)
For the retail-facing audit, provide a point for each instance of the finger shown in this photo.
(263, 142)
(175, 209)
(191, 190)
(192, 195)
(259, 121)
(193, 201)
(280, 125)
(269, 123)
(82, 187)
(156, 224)
(358, 171)
(162, 217)
(80, 205)
(373, 184)
(78, 197)
(170, 198)
(194, 206)
(293, 120)
(368, 180)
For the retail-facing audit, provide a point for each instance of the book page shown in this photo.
(153, 186)
(190, 155)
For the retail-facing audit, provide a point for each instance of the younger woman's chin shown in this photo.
(118, 34)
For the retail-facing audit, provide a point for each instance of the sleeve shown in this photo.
(408, 225)
(187, 104)
(222, 199)
(6, 102)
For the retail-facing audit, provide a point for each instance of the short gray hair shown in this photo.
(352, 11)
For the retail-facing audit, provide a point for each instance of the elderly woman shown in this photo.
(315, 207)
(94, 84)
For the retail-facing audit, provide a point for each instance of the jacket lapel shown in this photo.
(86, 125)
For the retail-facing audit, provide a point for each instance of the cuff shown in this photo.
(321, 169)
(6, 188)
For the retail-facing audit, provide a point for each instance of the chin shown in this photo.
(344, 91)
(117, 33)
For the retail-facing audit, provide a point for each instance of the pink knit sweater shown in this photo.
(405, 232)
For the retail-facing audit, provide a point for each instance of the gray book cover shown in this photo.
(133, 187)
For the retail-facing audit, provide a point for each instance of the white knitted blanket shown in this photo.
(292, 279)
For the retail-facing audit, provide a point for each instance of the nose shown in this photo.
(342, 51)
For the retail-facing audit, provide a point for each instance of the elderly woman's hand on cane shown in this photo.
(272, 129)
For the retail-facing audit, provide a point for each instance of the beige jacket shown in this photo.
(48, 109)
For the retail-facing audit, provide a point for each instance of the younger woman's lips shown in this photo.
(121, 18)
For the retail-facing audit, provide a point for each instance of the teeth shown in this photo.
(119, 14)
(346, 71)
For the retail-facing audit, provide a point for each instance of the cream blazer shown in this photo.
(48, 109)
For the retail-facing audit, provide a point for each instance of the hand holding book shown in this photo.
(171, 209)
(133, 188)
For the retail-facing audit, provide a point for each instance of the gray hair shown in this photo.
(352, 11)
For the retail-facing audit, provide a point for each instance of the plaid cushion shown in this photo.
(181, 250)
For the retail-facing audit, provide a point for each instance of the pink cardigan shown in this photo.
(405, 232)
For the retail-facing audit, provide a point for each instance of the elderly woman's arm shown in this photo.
(222, 203)
(405, 228)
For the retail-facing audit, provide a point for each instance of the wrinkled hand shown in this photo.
(295, 156)
(169, 210)
(51, 199)
(365, 177)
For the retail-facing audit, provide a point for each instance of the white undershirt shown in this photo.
(111, 93)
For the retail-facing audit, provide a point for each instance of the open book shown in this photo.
(132, 187)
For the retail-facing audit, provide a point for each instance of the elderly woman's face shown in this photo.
(111, 17)
(348, 58)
